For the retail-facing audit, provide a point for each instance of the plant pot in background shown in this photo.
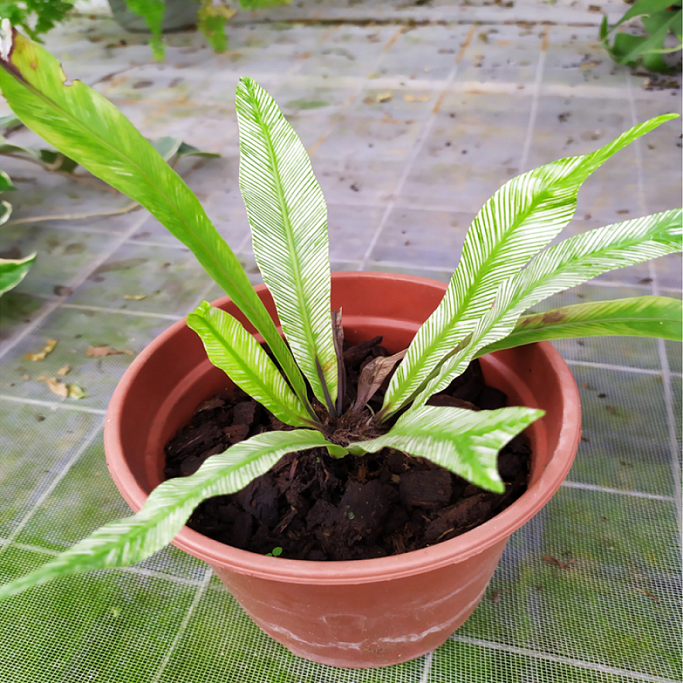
(178, 14)
(363, 613)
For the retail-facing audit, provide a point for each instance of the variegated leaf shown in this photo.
(168, 507)
(466, 442)
(232, 349)
(642, 316)
(567, 264)
(86, 127)
(13, 271)
(518, 221)
(288, 218)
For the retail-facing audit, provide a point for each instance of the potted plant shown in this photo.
(351, 613)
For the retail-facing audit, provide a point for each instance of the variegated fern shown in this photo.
(505, 268)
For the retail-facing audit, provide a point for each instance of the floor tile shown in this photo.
(76, 330)
(107, 626)
(29, 465)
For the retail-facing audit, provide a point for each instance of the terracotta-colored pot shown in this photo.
(364, 613)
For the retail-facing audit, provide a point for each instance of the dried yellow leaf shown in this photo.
(49, 347)
(380, 97)
(54, 385)
(134, 297)
(412, 98)
(100, 351)
(63, 370)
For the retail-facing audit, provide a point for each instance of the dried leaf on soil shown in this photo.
(134, 297)
(412, 98)
(558, 563)
(495, 597)
(49, 347)
(99, 351)
(64, 370)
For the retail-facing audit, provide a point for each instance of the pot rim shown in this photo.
(356, 571)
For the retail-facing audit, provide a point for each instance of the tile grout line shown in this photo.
(181, 629)
(607, 366)
(103, 309)
(424, 678)
(50, 308)
(414, 152)
(661, 348)
(138, 571)
(560, 659)
(52, 405)
(605, 489)
(53, 485)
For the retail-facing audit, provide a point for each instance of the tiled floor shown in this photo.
(413, 115)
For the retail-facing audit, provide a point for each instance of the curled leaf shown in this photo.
(76, 392)
(372, 376)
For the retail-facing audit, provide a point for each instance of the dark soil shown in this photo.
(315, 507)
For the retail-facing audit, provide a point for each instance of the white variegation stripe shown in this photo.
(168, 507)
(465, 442)
(515, 224)
(568, 264)
(288, 217)
(232, 349)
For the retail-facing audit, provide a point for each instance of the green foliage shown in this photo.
(13, 271)
(660, 18)
(643, 316)
(35, 16)
(506, 266)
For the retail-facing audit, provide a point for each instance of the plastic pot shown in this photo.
(364, 613)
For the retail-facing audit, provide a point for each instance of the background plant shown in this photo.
(506, 266)
(660, 18)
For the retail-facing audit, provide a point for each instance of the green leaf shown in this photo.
(168, 507)
(86, 127)
(5, 182)
(518, 221)
(232, 349)
(466, 442)
(567, 264)
(5, 212)
(644, 316)
(13, 271)
(168, 147)
(288, 219)
(643, 7)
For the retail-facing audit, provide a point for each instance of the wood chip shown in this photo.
(64, 370)
(649, 595)
(99, 351)
(559, 563)
(134, 297)
(49, 348)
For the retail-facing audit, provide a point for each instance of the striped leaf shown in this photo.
(466, 442)
(643, 316)
(232, 349)
(516, 223)
(288, 219)
(87, 128)
(13, 271)
(567, 264)
(168, 507)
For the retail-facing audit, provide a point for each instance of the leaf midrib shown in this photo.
(288, 228)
